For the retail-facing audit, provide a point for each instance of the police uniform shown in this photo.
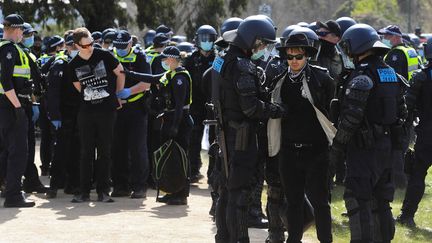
(419, 101)
(15, 75)
(197, 64)
(130, 168)
(403, 59)
(62, 107)
(176, 95)
(373, 111)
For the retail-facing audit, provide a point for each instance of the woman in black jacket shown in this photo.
(303, 155)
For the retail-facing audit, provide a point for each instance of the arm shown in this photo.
(143, 67)
(8, 57)
(120, 81)
(180, 88)
(144, 77)
(54, 79)
(397, 60)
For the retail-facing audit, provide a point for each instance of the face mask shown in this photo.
(28, 42)
(327, 48)
(257, 55)
(387, 43)
(165, 66)
(73, 53)
(122, 52)
(206, 45)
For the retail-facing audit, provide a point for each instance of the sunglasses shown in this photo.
(322, 33)
(297, 57)
(86, 45)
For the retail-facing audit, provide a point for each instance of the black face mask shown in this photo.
(327, 48)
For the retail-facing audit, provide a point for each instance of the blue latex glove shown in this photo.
(57, 124)
(124, 93)
(35, 115)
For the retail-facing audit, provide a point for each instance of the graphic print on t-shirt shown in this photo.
(94, 82)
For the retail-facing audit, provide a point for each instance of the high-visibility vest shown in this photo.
(43, 59)
(20, 71)
(411, 57)
(169, 75)
(131, 57)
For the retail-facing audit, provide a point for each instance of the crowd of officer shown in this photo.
(331, 102)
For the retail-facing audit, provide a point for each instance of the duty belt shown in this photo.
(186, 107)
(25, 97)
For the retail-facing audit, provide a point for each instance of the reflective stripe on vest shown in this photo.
(412, 59)
(20, 71)
(151, 56)
(165, 79)
(44, 59)
(131, 57)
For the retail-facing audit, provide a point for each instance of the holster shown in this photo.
(242, 134)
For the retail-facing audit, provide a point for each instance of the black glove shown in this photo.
(278, 111)
(172, 132)
(337, 153)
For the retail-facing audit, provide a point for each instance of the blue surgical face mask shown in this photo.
(257, 55)
(28, 42)
(206, 45)
(73, 53)
(165, 66)
(122, 52)
(387, 43)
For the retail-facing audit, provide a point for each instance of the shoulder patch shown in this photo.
(218, 63)
(387, 75)
(361, 82)
(9, 55)
(179, 82)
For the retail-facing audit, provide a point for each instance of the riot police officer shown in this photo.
(373, 111)
(241, 111)
(130, 168)
(15, 91)
(419, 101)
(197, 64)
(148, 38)
(108, 35)
(97, 37)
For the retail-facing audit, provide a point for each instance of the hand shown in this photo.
(124, 93)
(35, 115)
(57, 124)
(172, 132)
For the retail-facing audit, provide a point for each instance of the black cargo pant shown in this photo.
(96, 135)
(305, 170)
(130, 168)
(236, 194)
(65, 164)
(47, 140)
(13, 136)
(422, 162)
(31, 174)
(369, 190)
(195, 139)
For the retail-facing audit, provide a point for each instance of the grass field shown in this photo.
(423, 218)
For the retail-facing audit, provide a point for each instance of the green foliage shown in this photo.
(153, 13)
(209, 12)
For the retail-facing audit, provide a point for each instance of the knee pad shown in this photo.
(384, 225)
(359, 224)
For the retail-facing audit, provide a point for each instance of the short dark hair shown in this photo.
(80, 33)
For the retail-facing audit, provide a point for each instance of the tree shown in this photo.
(153, 13)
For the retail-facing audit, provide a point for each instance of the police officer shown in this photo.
(153, 53)
(62, 111)
(148, 38)
(419, 101)
(97, 37)
(373, 111)
(175, 90)
(164, 30)
(404, 60)
(108, 35)
(130, 168)
(196, 64)
(241, 110)
(15, 91)
(32, 182)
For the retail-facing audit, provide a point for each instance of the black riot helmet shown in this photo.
(345, 23)
(313, 26)
(287, 31)
(252, 32)
(205, 37)
(148, 38)
(428, 49)
(230, 24)
(310, 34)
(360, 38)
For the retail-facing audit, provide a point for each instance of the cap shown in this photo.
(69, 40)
(122, 39)
(96, 35)
(14, 21)
(55, 41)
(160, 39)
(108, 35)
(171, 51)
(28, 29)
(331, 26)
(390, 30)
(163, 29)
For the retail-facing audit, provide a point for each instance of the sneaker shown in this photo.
(80, 198)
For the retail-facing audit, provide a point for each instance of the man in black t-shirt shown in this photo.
(96, 74)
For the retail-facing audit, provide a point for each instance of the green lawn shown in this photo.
(423, 218)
